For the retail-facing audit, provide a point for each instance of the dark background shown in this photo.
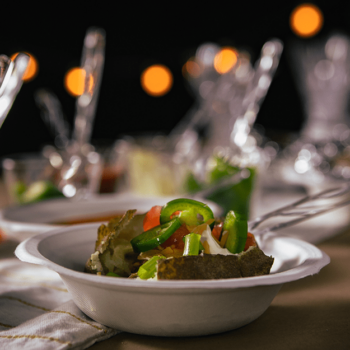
(137, 36)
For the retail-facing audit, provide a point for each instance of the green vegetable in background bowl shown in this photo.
(37, 191)
(235, 197)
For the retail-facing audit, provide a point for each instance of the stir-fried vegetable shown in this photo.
(148, 269)
(237, 228)
(192, 244)
(177, 242)
(191, 212)
(152, 218)
(155, 236)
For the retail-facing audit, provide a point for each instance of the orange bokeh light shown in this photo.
(306, 20)
(225, 60)
(156, 80)
(191, 68)
(32, 68)
(74, 81)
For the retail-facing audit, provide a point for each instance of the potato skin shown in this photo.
(253, 262)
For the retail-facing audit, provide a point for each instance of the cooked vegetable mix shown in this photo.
(155, 236)
(180, 240)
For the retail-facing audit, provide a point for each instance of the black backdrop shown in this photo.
(137, 36)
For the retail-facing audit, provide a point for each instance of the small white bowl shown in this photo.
(22, 222)
(168, 308)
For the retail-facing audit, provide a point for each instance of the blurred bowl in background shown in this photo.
(21, 222)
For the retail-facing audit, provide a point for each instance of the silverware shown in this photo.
(257, 89)
(82, 166)
(11, 81)
(6, 69)
(52, 114)
(92, 63)
(303, 209)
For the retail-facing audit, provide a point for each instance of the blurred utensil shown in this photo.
(92, 63)
(52, 114)
(202, 85)
(227, 112)
(82, 166)
(256, 90)
(207, 124)
(11, 81)
(6, 68)
(304, 209)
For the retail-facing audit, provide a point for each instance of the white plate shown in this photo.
(21, 222)
(168, 308)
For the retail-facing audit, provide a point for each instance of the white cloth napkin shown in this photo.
(36, 311)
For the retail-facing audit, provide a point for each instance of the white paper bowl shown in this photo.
(22, 222)
(168, 308)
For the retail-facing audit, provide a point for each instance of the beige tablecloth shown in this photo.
(36, 310)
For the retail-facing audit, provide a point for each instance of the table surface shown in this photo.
(312, 313)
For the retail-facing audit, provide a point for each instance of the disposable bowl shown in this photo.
(168, 308)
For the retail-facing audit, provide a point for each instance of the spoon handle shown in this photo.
(52, 115)
(11, 82)
(6, 68)
(92, 62)
(304, 209)
(257, 89)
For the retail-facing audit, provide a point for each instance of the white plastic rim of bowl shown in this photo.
(168, 308)
(22, 222)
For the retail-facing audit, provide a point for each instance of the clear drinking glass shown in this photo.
(22, 171)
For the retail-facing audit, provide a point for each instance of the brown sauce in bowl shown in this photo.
(92, 218)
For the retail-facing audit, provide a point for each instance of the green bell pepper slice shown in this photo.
(237, 227)
(192, 244)
(189, 209)
(155, 236)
